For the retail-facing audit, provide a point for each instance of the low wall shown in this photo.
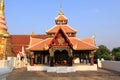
(111, 65)
(86, 67)
(4, 63)
(5, 68)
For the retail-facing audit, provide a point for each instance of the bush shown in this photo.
(117, 56)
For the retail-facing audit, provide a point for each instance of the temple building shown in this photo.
(58, 47)
(61, 46)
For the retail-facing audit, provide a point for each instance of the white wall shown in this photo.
(111, 65)
(5, 68)
(4, 63)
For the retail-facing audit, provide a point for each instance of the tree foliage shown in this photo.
(116, 53)
(103, 52)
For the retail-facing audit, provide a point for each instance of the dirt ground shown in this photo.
(101, 74)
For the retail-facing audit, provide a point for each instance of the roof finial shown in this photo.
(61, 5)
(61, 13)
(1, 7)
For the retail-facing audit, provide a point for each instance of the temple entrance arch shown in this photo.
(61, 57)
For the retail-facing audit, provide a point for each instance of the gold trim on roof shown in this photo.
(61, 12)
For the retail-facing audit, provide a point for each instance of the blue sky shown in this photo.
(99, 17)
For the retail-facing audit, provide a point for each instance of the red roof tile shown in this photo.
(23, 40)
(20, 39)
(41, 45)
(34, 41)
(89, 40)
(77, 44)
(66, 28)
(60, 17)
(81, 45)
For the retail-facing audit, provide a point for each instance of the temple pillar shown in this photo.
(51, 61)
(51, 51)
(92, 57)
(91, 61)
(70, 59)
(32, 58)
(31, 61)
(86, 59)
(43, 59)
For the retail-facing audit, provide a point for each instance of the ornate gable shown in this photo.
(60, 39)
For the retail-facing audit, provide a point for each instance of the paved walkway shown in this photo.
(22, 74)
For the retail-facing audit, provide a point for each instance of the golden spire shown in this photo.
(1, 7)
(61, 13)
(3, 27)
(61, 5)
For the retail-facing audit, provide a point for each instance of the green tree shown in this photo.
(116, 53)
(117, 56)
(103, 52)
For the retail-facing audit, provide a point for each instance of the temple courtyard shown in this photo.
(101, 74)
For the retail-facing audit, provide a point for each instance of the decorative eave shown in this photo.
(53, 29)
(44, 45)
(81, 45)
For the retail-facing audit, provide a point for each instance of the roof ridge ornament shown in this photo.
(61, 12)
(60, 4)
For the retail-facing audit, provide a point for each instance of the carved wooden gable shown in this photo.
(60, 39)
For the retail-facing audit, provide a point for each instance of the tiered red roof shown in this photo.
(23, 40)
(76, 44)
(44, 42)
(61, 24)
(61, 21)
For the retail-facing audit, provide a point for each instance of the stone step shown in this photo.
(61, 69)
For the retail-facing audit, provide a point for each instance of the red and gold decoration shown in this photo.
(61, 40)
